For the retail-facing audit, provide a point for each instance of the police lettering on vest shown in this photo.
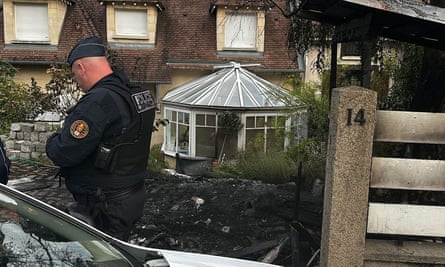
(143, 101)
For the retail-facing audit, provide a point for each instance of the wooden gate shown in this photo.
(359, 232)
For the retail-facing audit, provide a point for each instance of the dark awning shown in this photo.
(401, 20)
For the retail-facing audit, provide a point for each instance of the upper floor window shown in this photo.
(240, 30)
(31, 22)
(131, 22)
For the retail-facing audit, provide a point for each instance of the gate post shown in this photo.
(348, 168)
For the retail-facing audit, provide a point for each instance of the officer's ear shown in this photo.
(78, 66)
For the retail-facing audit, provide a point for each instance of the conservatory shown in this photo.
(228, 111)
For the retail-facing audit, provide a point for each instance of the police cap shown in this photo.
(88, 47)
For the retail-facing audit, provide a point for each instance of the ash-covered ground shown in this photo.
(227, 217)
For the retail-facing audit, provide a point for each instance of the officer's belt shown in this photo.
(123, 194)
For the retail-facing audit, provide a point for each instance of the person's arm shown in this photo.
(5, 164)
(81, 134)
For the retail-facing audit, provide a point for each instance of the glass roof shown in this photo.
(231, 86)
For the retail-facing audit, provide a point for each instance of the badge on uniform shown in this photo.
(143, 101)
(79, 129)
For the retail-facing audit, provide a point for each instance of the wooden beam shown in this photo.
(400, 219)
(366, 58)
(410, 127)
(409, 174)
(358, 29)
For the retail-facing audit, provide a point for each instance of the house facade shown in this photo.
(160, 44)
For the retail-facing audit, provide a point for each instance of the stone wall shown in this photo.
(27, 140)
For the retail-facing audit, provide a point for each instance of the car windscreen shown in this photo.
(31, 236)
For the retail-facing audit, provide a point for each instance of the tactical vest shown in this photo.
(128, 153)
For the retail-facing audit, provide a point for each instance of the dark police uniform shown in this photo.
(5, 164)
(103, 152)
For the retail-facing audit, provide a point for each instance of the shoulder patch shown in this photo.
(79, 129)
(143, 101)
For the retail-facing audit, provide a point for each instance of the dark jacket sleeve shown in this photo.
(73, 145)
(5, 164)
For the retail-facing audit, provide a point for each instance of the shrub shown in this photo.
(18, 101)
(272, 167)
(156, 161)
(312, 155)
(62, 87)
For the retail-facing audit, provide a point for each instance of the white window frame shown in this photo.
(240, 30)
(131, 22)
(31, 22)
(206, 124)
(266, 127)
(177, 122)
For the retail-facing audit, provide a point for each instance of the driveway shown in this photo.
(40, 182)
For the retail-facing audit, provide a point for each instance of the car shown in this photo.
(33, 233)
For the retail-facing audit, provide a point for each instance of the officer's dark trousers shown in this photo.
(114, 216)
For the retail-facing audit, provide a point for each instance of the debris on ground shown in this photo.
(227, 217)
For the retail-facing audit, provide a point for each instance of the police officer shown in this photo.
(104, 145)
(5, 164)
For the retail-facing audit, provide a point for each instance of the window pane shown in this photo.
(275, 140)
(271, 121)
(276, 121)
(170, 141)
(33, 237)
(174, 116)
(183, 139)
(31, 22)
(350, 49)
(131, 22)
(281, 121)
(200, 119)
(255, 140)
(211, 120)
(260, 122)
(183, 117)
(205, 142)
(250, 122)
(240, 30)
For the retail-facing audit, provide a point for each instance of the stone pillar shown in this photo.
(351, 129)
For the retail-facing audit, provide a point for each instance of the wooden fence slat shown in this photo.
(401, 219)
(410, 174)
(410, 127)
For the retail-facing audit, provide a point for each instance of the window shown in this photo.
(350, 51)
(205, 135)
(265, 133)
(131, 22)
(31, 236)
(240, 30)
(177, 132)
(31, 22)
